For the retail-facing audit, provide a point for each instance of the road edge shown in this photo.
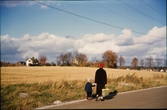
(76, 101)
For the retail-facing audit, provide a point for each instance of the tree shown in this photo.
(121, 61)
(58, 60)
(65, 59)
(42, 59)
(62, 58)
(149, 62)
(134, 63)
(81, 58)
(110, 58)
(142, 63)
(69, 58)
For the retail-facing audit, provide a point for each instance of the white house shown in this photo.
(29, 61)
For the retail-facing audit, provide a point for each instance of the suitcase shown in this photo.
(105, 92)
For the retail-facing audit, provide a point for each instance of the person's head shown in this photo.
(88, 79)
(101, 65)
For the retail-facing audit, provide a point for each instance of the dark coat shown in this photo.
(101, 76)
(88, 87)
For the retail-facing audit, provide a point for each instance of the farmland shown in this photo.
(14, 75)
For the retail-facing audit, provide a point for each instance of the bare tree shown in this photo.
(121, 61)
(58, 60)
(149, 62)
(110, 58)
(62, 58)
(65, 59)
(42, 59)
(134, 63)
(142, 63)
(69, 58)
(81, 58)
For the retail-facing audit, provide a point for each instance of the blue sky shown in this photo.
(128, 27)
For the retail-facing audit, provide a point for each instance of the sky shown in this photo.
(130, 28)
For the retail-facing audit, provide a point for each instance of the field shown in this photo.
(66, 83)
(14, 75)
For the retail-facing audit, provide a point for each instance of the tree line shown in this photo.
(109, 58)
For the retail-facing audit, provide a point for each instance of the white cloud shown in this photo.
(96, 44)
(93, 45)
(16, 3)
(155, 35)
(158, 32)
(126, 38)
(101, 37)
(26, 37)
(44, 7)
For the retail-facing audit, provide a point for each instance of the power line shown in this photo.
(152, 7)
(86, 17)
(120, 15)
(160, 3)
(90, 18)
(123, 16)
(135, 9)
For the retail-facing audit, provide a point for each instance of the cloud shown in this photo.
(126, 38)
(93, 45)
(16, 3)
(101, 37)
(9, 45)
(154, 36)
(44, 7)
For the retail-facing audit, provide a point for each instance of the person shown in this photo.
(88, 89)
(100, 81)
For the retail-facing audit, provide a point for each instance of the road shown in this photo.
(155, 98)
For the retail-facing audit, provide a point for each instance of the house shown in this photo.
(29, 61)
(32, 62)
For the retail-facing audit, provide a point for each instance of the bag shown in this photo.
(105, 92)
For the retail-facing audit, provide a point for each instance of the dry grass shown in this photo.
(15, 75)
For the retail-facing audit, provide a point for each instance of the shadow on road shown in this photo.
(109, 96)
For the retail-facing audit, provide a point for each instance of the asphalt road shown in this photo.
(152, 98)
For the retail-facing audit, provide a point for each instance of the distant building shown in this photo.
(29, 61)
(161, 70)
(32, 62)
